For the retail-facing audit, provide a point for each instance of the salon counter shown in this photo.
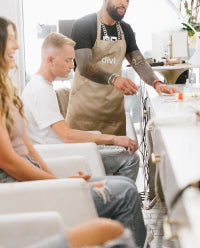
(176, 147)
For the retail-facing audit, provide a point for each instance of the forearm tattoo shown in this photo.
(88, 69)
(143, 68)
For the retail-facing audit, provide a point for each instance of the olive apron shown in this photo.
(94, 106)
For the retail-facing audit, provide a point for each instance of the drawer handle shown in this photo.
(155, 158)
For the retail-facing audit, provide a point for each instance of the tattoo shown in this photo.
(143, 68)
(88, 69)
(91, 69)
(137, 61)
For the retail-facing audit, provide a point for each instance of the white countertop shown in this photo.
(180, 135)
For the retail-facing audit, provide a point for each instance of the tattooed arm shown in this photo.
(96, 74)
(88, 69)
(143, 68)
(146, 73)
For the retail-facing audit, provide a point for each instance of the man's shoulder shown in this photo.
(84, 31)
(125, 26)
(87, 20)
(35, 88)
(129, 37)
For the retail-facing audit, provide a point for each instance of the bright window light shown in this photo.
(145, 17)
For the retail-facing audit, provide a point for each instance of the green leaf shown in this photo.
(188, 28)
(190, 33)
(188, 11)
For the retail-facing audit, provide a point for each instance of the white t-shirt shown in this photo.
(41, 110)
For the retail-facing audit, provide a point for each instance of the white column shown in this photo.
(13, 10)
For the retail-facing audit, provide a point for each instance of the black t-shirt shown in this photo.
(84, 33)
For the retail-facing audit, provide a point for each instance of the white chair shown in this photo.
(71, 198)
(130, 129)
(21, 230)
(87, 150)
(67, 166)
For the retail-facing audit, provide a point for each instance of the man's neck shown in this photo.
(48, 76)
(106, 18)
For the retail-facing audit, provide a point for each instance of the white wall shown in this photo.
(8, 9)
(48, 13)
(12, 9)
(148, 17)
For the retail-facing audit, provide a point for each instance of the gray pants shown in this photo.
(119, 200)
(118, 161)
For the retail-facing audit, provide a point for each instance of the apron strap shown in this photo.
(98, 25)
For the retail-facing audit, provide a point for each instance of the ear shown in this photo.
(50, 60)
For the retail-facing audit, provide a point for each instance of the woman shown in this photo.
(18, 156)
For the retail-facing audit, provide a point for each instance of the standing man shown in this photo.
(103, 40)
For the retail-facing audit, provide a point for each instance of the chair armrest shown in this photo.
(88, 150)
(64, 167)
(130, 129)
(20, 230)
(62, 195)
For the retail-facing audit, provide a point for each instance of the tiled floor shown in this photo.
(153, 217)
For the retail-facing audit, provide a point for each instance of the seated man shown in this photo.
(47, 125)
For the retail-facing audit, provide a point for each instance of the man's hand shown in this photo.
(81, 175)
(161, 88)
(125, 142)
(126, 86)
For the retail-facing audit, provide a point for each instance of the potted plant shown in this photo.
(190, 10)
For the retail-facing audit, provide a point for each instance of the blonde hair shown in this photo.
(55, 40)
(9, 99)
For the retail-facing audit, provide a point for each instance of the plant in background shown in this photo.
(191, 9)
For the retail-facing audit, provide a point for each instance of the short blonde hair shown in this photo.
(56, 40)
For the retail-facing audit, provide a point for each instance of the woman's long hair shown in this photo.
(9, 99)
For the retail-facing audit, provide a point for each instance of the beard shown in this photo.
(112, 11)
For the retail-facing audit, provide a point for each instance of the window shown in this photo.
(41, 16)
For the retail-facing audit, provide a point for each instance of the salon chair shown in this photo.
(62, 195)
(87, 151)
(64, 167)
(24, 229)
(71, 198)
